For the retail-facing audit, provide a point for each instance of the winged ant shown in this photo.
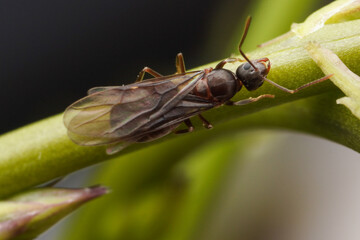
(149, 109)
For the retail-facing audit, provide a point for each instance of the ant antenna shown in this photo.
(247, 25)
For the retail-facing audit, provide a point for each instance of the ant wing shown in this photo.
(99, 89)
(115, 113)
(189, 106)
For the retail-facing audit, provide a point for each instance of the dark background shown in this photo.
(51, 52)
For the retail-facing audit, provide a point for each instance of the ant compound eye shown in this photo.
(247, 66)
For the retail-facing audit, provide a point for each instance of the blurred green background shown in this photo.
(258, 184)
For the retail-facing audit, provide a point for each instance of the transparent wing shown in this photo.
(114, 113)
(186, 108)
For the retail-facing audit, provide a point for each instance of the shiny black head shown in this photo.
(252, 78)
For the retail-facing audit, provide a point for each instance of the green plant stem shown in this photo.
(42, 151)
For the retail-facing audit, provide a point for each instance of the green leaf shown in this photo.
(343, 78)
(337, 11)
(27, 215)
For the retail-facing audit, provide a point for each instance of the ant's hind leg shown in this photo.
(249, 100)
(180, 63)
(205, 122)
(189, 129)
(148, 70)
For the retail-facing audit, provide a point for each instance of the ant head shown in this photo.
(252, 74)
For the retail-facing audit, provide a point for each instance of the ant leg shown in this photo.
(189, 129)
(148, 70)
(221, 64)
(180, 63)
(301, 87)
(249, 100)
(205, 122)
